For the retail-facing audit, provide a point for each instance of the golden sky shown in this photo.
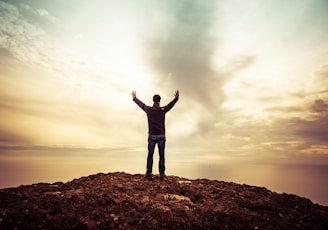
(253, 77)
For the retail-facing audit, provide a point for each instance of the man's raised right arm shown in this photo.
(137, 101)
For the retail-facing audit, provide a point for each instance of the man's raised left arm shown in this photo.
(172, 103)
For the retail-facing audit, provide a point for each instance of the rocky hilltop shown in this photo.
(124, 201)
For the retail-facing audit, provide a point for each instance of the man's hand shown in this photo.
(134, 94)
(177, 94)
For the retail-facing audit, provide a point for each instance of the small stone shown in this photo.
(163, 208)
(160, 196)
(57, 194)
(145, 200)
(120, 186)
(218, 208)
(186, 208)
(184, 182)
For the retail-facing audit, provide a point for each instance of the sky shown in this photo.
(252, 75)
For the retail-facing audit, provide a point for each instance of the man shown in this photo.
(156, 130)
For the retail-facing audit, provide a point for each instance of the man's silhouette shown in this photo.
(156, 130)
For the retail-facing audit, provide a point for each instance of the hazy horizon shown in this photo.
(252, 76)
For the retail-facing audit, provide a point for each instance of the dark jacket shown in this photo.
(156, 115)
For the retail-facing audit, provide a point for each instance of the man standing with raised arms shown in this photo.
(156, 130)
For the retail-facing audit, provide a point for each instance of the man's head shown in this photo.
(156, 98)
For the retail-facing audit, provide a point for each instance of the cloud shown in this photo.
(26, 39)
(29, 150)
(322, 73)
(241, 63)
(182, 56)
(36, 14)
(4, 53)
(23, 40)
(10, 138)
(298, 132)
(320, 81)
(319, 106)
(316, 131)
(42, 12)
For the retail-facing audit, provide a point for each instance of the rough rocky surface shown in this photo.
(124, 201)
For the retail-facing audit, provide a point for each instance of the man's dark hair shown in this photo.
(156, 98)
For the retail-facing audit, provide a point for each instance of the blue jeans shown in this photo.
(152, 141)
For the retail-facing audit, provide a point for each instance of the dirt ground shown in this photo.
(125, 201)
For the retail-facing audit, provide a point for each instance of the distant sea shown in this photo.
(308, 181)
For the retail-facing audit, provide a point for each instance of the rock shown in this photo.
(57, 194)
(160, 197)
(125, 201)
(145, 200)
(163, 208)
(176, 197)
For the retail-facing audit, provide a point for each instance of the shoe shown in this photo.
(162, 177)
(148, 176)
